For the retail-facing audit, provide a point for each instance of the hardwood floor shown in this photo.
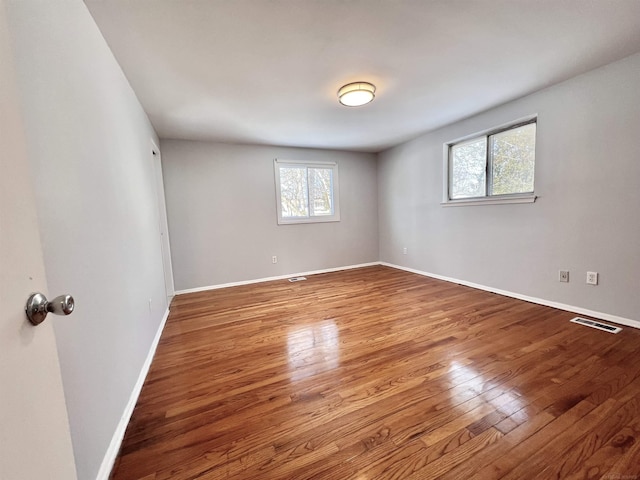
(377, 373)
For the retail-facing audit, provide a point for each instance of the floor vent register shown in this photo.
(297, 279)
(598, 325)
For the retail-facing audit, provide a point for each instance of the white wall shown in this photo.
(35, 441)
(88, 141)
(221, 204)
(587, 177)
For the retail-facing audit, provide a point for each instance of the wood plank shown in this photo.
(380, 373)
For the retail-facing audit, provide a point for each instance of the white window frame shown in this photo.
(447, 201)
(277, 163)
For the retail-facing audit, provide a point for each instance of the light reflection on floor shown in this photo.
(476, 381)
(312, 349)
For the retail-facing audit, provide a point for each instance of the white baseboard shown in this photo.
(114, 447)
(540, 301)
(269, 279)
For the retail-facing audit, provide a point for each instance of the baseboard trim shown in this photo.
(114, 447)
(540, 301)
(269, 279)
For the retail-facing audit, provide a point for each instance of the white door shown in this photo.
(163, 224)
(35, 442)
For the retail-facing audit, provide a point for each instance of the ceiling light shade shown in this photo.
(356, 94)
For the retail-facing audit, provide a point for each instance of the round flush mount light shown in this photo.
(356, 94)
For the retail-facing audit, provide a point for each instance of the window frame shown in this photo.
(526, 197)
(278, 162)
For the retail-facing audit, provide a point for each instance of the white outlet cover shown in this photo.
(592, 278)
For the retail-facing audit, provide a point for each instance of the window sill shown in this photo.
(490, 201)
(328, 219)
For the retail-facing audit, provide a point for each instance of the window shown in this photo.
(494, 167)
(306, 192)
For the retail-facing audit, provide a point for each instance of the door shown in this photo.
(34, 436)
(163, 224)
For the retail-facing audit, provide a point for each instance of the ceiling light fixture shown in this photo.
(356, 94)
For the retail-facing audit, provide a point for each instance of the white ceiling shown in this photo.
(267, 71)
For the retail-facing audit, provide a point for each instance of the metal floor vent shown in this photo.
(297, 279)
(598, 325)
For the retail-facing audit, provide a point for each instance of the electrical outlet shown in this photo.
(404, 251)
(592, 278)
(274, 259)
(563, 276)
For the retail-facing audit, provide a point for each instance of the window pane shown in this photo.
(513, 155)
(321, 191)
(468, 169)
(293, 192)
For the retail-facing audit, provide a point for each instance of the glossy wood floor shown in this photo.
(377, 373)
